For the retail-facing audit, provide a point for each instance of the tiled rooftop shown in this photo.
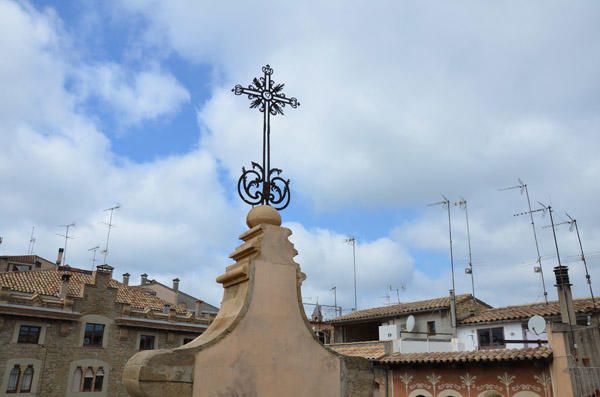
(496, 355)
(47, 282)
(401, 309)
(370, 350)
(523, 312)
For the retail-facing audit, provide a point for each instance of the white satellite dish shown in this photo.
(536, 325)
(410, 323)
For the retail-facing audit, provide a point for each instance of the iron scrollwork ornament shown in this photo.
(261, 184)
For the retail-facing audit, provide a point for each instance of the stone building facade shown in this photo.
(69, 332)
(175, 296)
(21, 263)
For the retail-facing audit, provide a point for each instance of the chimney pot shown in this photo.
(59, 258)
(64, 284)
(126, 278)
(453, 311)
(565, 296)
(103, 275)
(144, 279)
(176, 284)
(199, 308)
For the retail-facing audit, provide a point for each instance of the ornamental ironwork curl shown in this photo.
(254, 191)
(263, 185)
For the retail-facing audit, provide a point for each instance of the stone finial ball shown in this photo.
(263, 214)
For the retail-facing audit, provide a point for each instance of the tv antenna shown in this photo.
(522, 186)
(94, 249)
(572, 222)
(334, 289)
(462, 203)
(352, 240)
(446, 204)
(110, 226)
(31, 242)
(67, 238)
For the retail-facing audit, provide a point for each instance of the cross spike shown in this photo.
(257, 186)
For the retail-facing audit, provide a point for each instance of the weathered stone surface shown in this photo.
(260, 344)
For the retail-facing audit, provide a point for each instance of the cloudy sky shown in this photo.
(129, 102)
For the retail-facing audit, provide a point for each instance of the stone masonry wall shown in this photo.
(63, 345)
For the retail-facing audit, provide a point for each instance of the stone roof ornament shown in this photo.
(263, 185)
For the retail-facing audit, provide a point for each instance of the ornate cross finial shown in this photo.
(263, 184)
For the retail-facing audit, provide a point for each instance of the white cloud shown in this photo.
(399, 102)
(134, 97)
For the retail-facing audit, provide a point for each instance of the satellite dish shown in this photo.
(410, 323)
(536, 325)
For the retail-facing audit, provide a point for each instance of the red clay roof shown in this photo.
(47, 282)
(401, 308)
(522, 312)
(370, 350)
(495, 355)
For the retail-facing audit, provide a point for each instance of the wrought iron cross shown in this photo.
(263, 184)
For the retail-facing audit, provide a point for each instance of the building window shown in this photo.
(187, 340)
(13, 379)
(76, 383)
(491, 338)
(29, 334)
(147, 342)
(93, 334)
(431, 327)
(88, 380)
(92, 380)
(99, 379)
(27, 379)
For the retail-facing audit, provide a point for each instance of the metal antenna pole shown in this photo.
(94, 257)
(446, 203)
(574, 226)
(334, 289)
(587, 273)
(110, 225)
(463, 204)
(352, 240)
(523, 187)
(31, 242)
(67, 238)
(549, 208)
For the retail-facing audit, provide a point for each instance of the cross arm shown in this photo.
(239, 90)
(293, 102)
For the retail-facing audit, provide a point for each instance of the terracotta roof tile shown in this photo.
(495, 355)
(47, 282)
(401, 308)
(370, 350)
(522, 312)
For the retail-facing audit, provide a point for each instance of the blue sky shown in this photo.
(130, 102)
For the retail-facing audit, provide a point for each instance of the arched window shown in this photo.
(13, 379)
(99, 379)
(88, 380)
(27, 379)
(76, 382)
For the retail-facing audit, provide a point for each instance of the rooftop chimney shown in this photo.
(176, 284)
(565, 297)
(126, 278)
(103, 275)
(199, 308)
(453, 311)
(61, 252)
(144, 279)
(64, 283)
